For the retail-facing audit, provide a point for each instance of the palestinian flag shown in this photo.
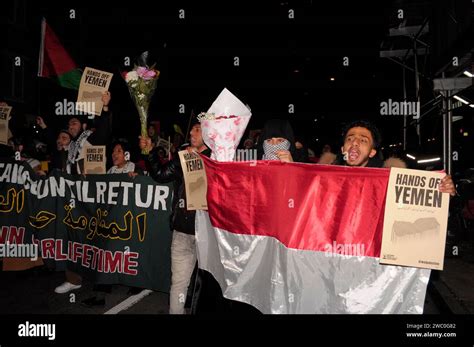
(55, 61)
(301, 238)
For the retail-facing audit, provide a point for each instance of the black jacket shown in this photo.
(181, 220)
(103, 129)
(59, 160)
(99, 137)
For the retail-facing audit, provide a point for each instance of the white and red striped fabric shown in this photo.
(301, 238)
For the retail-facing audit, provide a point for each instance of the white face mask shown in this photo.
(270, 150)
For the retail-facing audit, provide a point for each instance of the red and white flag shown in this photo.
(301, 238)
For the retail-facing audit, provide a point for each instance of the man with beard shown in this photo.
(59, 157)
(82, 137)
(183, 246)
(361, 142)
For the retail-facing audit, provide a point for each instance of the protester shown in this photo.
(121, 159)
(183, 246)
(277, 141)
(74, 165)
(327, 158)
(361, 141)
(82, 137)
(59, 160)
(60, 153)
(248, 144)
(152, 134)
(122, 164)
(161, 153)
(301, 152)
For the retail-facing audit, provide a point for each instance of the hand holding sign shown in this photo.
(93, 91)
(416, 217)
(195, 180)
(4, 118)
(94, 160)
(447, 185)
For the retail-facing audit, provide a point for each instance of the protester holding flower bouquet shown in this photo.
(183, 246)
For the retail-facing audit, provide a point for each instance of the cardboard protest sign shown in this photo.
(94, 160)
(4, 117)
(415, 222)
(195, 180)
(93, 84)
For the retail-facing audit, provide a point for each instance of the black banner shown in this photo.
(111, 228)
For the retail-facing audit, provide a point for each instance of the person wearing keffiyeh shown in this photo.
(82, 137)
(277, 141)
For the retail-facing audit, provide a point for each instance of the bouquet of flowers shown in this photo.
(224, 124)
(141, 82)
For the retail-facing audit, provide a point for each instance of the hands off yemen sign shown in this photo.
(4, 116)
(93, 84)
(416, 218)
(94, 160)
(195, 180)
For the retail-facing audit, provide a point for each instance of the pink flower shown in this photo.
(229, 136)
(146, 74)
(237, 121)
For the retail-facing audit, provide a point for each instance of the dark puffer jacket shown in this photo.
(181, 220)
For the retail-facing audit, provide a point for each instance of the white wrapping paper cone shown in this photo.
(223, 133)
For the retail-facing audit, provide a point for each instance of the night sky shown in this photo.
(282, 61)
